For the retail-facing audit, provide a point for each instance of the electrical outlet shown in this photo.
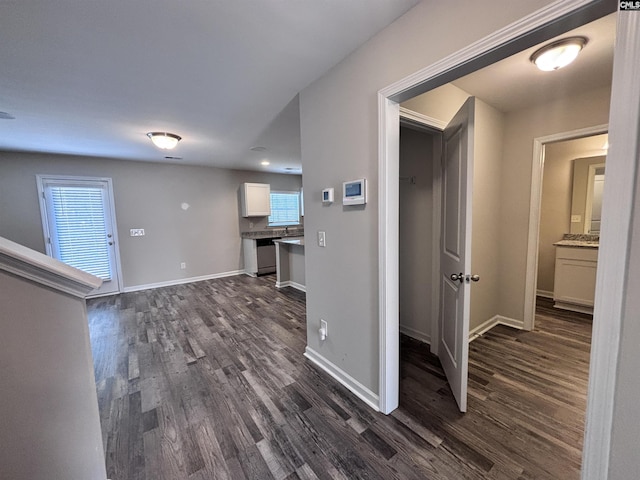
(322, 239)
(250, 224)
(183, 265)
(136, 232)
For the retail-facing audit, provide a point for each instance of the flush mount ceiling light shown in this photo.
(164, 140)
(265, 162)
(558, 54)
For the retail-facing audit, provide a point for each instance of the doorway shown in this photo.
(566, 205)
(611, 284)
(78, 222)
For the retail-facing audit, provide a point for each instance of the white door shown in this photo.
(79, 226)
(455, 250)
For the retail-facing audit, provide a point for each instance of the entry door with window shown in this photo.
(79, 226)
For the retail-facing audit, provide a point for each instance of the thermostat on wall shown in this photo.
(327, 195)
(354, 192)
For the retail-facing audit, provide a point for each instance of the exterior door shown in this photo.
(455, 250)
(79, 226)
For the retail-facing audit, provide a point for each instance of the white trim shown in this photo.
(415, 334)
(40, 268)
(484, 327)
(416, 117)
(388, 258)
(544, 294)
(535, 202)
(615, 246)
(359, 390)
(182, 281)
(388, 166)
(291, 284)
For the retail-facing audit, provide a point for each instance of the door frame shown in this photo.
(40, 178)
(615, 245)
(537, 171)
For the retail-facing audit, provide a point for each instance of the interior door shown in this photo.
(79, 226)
(455, 250)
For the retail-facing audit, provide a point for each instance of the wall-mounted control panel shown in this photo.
(354, 192)
(327, 195)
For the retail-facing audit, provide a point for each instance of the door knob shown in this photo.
(474, 278)
(459, 277)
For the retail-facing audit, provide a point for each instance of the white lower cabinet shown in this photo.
(575, 278)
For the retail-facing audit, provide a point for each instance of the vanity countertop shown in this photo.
(579, 240)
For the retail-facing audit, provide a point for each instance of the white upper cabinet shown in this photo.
(255, 199)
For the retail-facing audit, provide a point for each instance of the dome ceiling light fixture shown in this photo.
(558, 54)
(164, 140)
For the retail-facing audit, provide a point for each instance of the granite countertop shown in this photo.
(291, 241)
(274, 233)
(579, 240)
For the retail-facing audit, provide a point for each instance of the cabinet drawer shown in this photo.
(577, 253)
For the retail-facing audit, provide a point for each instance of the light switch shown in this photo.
(136, 232)
(321, 239)
(576, 218)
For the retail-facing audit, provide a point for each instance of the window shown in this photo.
(285, 209)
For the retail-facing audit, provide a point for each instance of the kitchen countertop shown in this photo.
(275, 233)
(579, 240)
(291, 241)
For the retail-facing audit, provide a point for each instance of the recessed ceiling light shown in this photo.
(265, 162)
(164, 140)
(6, 116)
(258, 149)
(558, 54)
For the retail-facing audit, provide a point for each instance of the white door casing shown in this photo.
(455, 253)
(94, 249)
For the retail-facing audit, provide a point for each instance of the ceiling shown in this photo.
(88, 77)
(515, 83)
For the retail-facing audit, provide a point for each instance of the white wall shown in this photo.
(416, 233)
(49, 419)
(339, 142)
(147, 195)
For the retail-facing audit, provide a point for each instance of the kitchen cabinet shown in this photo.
(575, 278)
(255, 199)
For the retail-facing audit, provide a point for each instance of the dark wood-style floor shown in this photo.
(208, 381)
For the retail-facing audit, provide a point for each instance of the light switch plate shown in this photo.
(322, 240)
(576, 218)
(136, 232)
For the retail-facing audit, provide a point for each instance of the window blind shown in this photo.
(80, 230)
(285, 208)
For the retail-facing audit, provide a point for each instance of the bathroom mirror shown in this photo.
(586, 199)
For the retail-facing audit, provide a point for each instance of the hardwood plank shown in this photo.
(208, 381)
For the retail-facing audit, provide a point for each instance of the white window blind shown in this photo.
(78, 221)
(285, 208)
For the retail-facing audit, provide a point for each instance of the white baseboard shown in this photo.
(413, 333)
(181, 281)
(359, 390)
(291, 284)
(484, 327)
(544, 294)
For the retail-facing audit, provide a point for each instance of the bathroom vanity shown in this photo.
(575, 273)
